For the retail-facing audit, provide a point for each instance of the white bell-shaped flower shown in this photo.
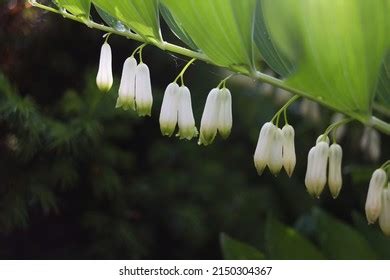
(384, 216)
(374, 195)
(143, 90)
(104, 77)
(225, 119)
(335, 179)
(275, 157)
(169, 109)
(209, 121)
(186, 121)
(263, 147)
(289, 157)
(315, 179)
(126, 93)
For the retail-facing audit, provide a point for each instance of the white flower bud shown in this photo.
(263, 146)
(311, 110)
(209, 121)
(169, 109)
(374, 201)
(370, 143)
(225, 120)
(104, 77)
(340, 130)
(143, 90)
(126, 93)
(289, 158)
(186, 121)
(275, 158)
(315, 179)
(384, 217)
(335, 179)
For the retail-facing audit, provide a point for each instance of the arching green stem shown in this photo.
(372, 121)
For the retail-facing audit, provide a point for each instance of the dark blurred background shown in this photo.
(80, 179)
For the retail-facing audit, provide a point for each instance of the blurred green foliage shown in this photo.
(80, 179)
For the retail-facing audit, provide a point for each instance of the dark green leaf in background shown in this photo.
(235, 250)
(287, 244)
(339, 240)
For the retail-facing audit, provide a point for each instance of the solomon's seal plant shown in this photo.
(343, 69)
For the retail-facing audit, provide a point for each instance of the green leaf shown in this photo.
(337, 46)
(270, 52)
(383, 88)
(79, 8)
(340, 241)
(375, 237)
(110, 20)
(286, 243)
(236, 250)
(222, 29)
(140, 15)
(176, 28)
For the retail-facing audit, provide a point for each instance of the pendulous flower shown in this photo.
(104, 77)
(384, 216)
(275, 157)
(263, 147)
(126, 93)
(374, 195)
(169, 109)
(143, 90)
(210, 118)
(225, 119)
(186, 121)
(315, 179)
(335, 179)
(289, 157)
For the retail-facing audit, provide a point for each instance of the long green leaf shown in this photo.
(76, 7)
(236, 250)
(176, 28)
(338, 46)
(286, 243)
(222, 29)
(269, 51)
(382, 93)
(140, 15)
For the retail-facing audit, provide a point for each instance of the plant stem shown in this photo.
(373, 121)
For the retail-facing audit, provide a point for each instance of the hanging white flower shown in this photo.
(335, 180)
(126, 93)
(143, 90)
(225, 119)
(209, 122)
(384, 216)
(289, 157)
(315, 179)
(104, 77)
(374, 200)
(275, 157)
(169, 109)
(263, 147)
(186, 121)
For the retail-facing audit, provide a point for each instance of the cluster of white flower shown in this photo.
(275, 149)
(378, 200)
(135, 93)
(317, 167)
(135, 90)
